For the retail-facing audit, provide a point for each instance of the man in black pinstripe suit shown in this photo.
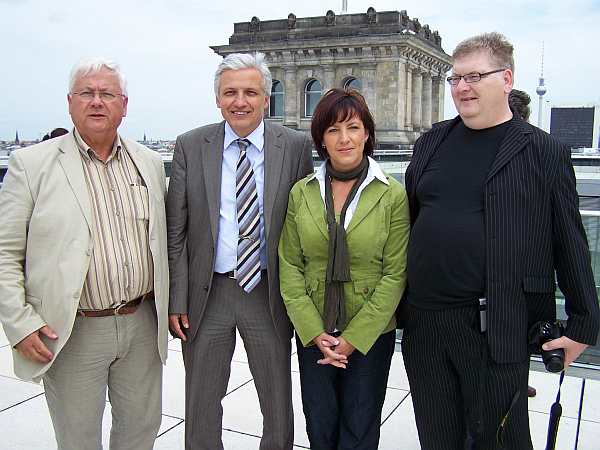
(494, 215)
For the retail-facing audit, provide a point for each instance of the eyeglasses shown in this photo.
(473, 77)
(105, 96)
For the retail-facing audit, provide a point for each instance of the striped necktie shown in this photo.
(248, 218)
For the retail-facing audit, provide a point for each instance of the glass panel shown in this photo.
(312, 96)
(276, 101)
(591, 223)
(353, 83)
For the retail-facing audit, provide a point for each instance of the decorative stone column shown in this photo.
(406, 96)
(438, 87)
(328, 77)
(426, 101)
(401, 94)
(369, 79)
(290, 98)
(417, 92)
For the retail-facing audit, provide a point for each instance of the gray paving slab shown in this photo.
(3, 339)
(397, 378)
(546, 385)
(591, 403)
(174, 383)
(13, 392)
(538, 425)
(31, 428)
(6, 362)
(399, 430)
(589, 436)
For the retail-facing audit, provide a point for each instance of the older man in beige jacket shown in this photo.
(83, 269)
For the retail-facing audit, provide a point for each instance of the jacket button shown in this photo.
(206, 288)
(366, 290)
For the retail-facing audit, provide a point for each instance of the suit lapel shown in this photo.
(70, 161)
(141, 165)
(314, 202)
(212, 161)
(514, 141)
(274, 150)
(367, 201)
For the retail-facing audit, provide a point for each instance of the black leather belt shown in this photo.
(232, 274)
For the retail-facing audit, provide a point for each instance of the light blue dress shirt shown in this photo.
(227, 239)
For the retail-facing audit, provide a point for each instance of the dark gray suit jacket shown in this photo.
(193, 204)
(533, 230)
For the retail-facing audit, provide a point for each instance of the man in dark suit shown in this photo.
(494, 215)
(227, 200)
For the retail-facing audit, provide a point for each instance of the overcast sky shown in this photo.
(162, 46)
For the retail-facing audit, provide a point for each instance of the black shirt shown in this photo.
(446, 252)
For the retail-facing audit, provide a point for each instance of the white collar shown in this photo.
(373, 172)
(256, 138)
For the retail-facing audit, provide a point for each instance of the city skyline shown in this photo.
(162, 47)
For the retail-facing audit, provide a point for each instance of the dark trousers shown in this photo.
(343, 406)
(444, 355)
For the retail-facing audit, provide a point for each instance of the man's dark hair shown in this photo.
(519, 103)
(339, 105)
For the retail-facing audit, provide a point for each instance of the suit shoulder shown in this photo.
(204, 130)
(396, 188)
(197, 133)
(40, 151)
(144, 151)
(436, 128)
(545, 141)
(288, 133)
(300, 185)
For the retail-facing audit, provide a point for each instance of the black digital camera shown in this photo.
(539, 334)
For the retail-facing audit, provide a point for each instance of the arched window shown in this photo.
(276, 102)
(353, 83)
(312, 95)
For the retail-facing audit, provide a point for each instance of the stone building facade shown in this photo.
(394, 61)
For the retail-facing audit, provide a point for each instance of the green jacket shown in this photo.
(377, 237)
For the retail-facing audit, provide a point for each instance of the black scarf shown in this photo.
(338, 264)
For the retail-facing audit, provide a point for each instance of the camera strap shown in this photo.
(555, 413)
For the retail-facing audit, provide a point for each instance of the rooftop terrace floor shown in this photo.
(25, 423)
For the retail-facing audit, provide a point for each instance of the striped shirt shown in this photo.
(121, 266)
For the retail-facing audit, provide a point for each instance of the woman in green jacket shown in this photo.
(342, 265)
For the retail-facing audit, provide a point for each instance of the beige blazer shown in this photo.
(45, 244)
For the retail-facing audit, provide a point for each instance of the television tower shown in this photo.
(541, 90)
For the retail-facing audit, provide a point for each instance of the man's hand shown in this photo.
(328, 346)
(34, 349)
(176, 322)
(572, 348)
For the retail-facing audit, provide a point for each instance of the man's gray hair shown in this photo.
(239, 61)
(96, 64)
(496, 44)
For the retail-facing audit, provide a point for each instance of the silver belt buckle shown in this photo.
(234, 276)
(118, 308)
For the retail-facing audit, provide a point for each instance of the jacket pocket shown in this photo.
(363, 291)
(539, 285)
(315, 290)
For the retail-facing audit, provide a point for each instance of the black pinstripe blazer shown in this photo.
(533, 231)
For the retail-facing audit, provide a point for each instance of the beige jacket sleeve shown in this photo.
(17, 313)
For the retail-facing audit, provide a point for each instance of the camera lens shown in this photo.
(554, 364)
